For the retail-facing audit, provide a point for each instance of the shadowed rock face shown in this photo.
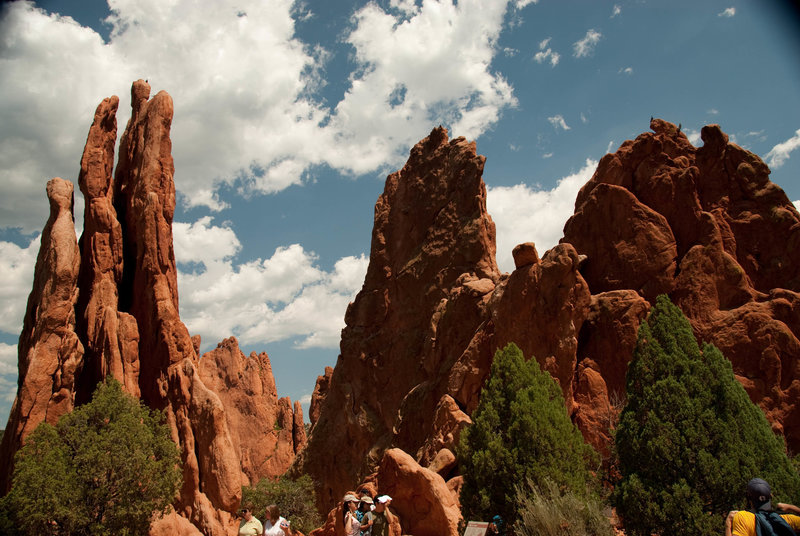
(431, 268)
(659, 216)
(110, 308)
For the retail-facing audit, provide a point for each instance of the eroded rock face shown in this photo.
(110, 308)
(112, 336)
(246, 388)
(50, 352)
(431, 270)
(704, 226)
(717, 236)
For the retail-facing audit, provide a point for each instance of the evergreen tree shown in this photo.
(294, 498)
(105, 468)
(520, 433)
(689, 437)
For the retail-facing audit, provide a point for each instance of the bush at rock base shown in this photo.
(689, 438)
(106, 468)
(520, 432)
(547, 510)
(294, 498)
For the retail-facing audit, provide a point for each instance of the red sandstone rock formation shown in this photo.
(714, 234)
(246, 388)
(659, 216)
(122, 287)
(50, 353)
(431, 269)
(422, 502)
(112, 337)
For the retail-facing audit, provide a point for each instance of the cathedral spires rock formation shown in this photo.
(110, 308)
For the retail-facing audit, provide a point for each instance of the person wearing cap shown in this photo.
(364, 514)
(249, 525)
(361, 514)
(759, 500)
(352, 526)
(381, 517)
(272, 526)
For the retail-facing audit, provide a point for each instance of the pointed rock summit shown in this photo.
(109, 307)
(659, 216)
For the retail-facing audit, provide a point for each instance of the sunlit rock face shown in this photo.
(107, 305)
(659, 216)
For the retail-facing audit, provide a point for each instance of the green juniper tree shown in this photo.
(105, 468)
(294, 498)
(520, 433)
(689, 438)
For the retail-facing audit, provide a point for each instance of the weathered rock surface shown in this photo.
(110, 308)
(420, 497)
(659, 216)
(246, 388)
(112, 336)
(718, 237)
(50, 352)
(413, 317)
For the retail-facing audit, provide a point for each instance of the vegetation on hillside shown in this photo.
(689, 438)
(106, 468)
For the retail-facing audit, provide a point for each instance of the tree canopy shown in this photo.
(105, 468)
(520, 433)
(689, 438)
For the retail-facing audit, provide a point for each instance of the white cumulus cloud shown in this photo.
(285, 297)
(246, 89)
(585, 46)
(558, 122)
(16, 266)
(616, 10)
(8, 359)
(780, 153)
(728, 12)
(524, 214)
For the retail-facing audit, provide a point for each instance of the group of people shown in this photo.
(366, 517)
(363, 516)
(275, 525)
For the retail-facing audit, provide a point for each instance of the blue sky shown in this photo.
(289, 115)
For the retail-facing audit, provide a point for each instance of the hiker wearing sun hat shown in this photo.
(364, 514)
(352, 526)
(760, 519)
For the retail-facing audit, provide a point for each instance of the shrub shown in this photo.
(294, 498)
(546, 510)
(520, 432)
(105, 468)
(689, 438)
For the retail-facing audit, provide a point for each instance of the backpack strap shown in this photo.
(771, 524)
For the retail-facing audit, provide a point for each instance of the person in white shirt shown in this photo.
(272, 526)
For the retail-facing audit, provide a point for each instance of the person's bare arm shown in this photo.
(789, 508)
(729, 523)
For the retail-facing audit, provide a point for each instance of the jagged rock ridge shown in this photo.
(659, 216)
(110, 308)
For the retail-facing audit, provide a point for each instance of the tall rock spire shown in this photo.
(50, 352)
